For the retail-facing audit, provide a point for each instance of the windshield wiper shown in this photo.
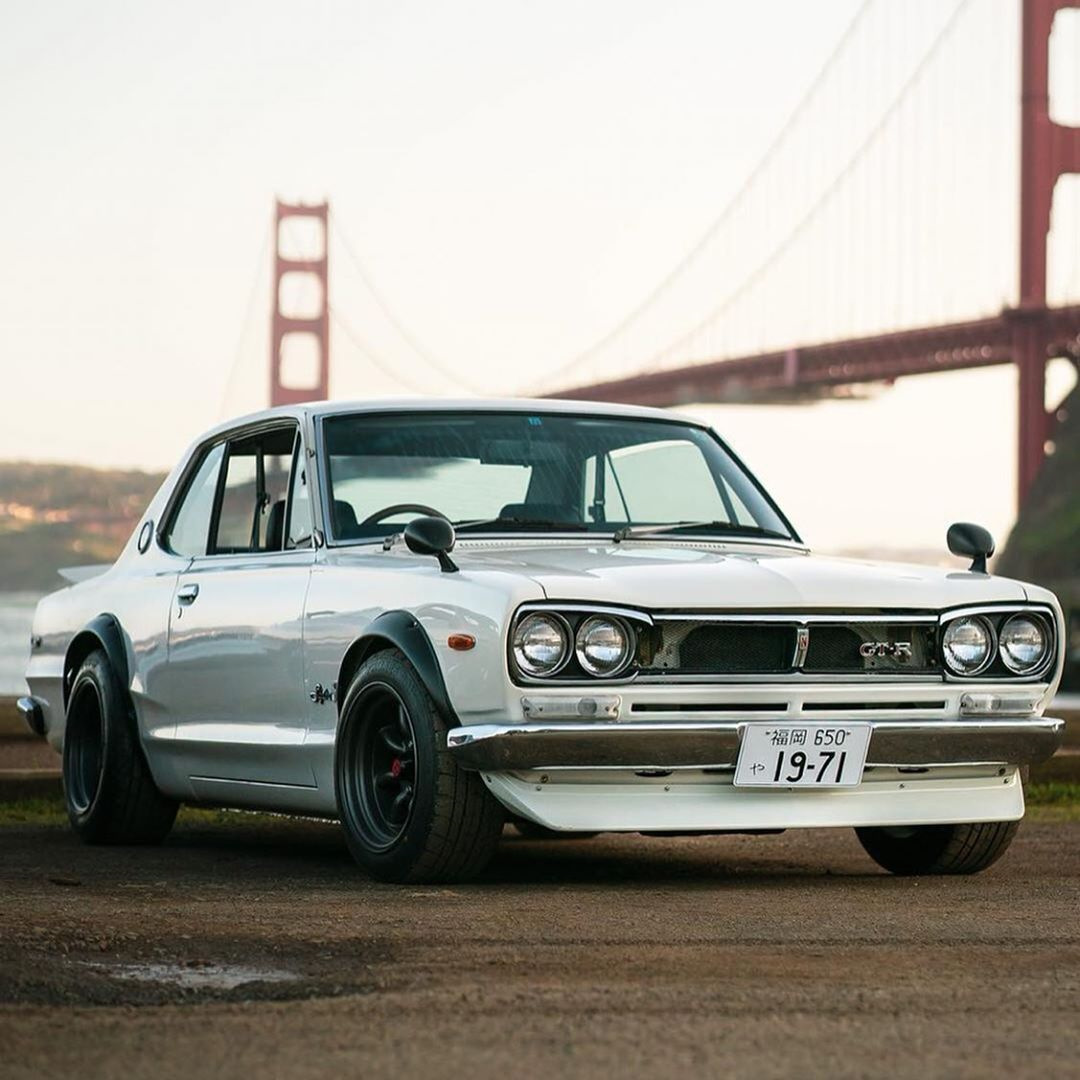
(518, 524)
(629, 532)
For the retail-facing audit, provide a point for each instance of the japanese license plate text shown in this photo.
(819, 755)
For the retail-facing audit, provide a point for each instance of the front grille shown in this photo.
(678, 646)
(736, 648)
(892, 647)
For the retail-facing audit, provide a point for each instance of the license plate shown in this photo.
(802, 755)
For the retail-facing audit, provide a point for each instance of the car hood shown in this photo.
(663, 575)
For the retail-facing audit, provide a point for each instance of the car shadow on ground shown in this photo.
(291, 849)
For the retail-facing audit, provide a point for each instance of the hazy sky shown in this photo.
(514, 175)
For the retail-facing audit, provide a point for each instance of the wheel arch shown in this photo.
(399, 630)
(102, 632)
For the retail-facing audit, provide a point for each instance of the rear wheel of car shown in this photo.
(938, 849)
(410, 812)
(110, 795)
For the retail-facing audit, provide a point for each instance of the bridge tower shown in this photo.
(308, 333)
(1048, 151)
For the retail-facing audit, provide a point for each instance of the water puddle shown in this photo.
(196, 975)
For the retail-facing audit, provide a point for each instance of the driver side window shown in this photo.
(252, 503)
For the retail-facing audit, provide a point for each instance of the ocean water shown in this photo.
(16, 618)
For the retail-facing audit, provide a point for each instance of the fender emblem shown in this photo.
(901, 650)
(321, 695)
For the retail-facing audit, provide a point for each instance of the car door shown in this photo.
(235, 655)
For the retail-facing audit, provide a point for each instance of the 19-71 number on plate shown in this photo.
(826, 755)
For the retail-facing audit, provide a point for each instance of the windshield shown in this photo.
(506, 472)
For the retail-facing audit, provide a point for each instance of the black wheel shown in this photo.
(410, 812)
(111, 796)
(938, 849)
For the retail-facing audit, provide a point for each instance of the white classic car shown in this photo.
(424, 618)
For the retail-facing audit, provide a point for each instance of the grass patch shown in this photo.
(39, 811)
(1053, 800)
(1052, 793)
(51, 811)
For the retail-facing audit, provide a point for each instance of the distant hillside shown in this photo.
(1045, 544)
(64, 515)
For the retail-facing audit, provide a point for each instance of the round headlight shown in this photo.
(540, 644)
(967, 645)
(1023, 641)
(603, 645)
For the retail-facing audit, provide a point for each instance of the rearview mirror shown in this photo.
(971, 541)
(432, 536)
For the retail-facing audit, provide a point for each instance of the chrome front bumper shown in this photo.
(715, 744)
(29, 708)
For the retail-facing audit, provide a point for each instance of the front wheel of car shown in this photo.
(938, 849)
(110, 795)
(410, 812)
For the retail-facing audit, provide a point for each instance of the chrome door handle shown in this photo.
(186, 593)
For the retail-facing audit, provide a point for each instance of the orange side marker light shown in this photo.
(461, 642)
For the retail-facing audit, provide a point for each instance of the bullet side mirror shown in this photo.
(971, 541)
(432, 536)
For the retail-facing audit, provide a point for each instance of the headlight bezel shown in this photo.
(629, 647)
(555, 619)
(1047, 649)
(996, 616)
(634, 624)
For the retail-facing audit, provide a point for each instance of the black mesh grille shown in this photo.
(691, 647)
(725, 648)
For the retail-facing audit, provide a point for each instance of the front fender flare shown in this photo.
(400, 630)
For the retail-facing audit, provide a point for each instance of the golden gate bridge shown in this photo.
(904, 206)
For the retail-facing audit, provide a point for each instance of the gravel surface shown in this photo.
(255, 948)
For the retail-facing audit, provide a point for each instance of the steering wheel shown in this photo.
(402, 508)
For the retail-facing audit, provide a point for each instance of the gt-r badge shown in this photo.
(899, 649)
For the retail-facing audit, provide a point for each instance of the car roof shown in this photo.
(433, 404)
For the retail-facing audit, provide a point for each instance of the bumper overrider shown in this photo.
(638, 746)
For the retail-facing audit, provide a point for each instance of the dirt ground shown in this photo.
(254, 947)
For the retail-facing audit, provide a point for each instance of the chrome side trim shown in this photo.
(715, 744)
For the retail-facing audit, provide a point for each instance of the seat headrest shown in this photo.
(345, 525)
(275, 526)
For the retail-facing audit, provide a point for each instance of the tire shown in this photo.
(938, 849)
(410, 812)
(110, 795)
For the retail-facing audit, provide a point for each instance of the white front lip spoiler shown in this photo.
(715, 744)
(658, 805)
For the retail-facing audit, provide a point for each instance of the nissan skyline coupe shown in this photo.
(426, 619)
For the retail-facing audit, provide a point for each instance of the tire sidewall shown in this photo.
(96, 676)
(396, 673)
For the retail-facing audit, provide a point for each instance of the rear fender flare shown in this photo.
(102, 632)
